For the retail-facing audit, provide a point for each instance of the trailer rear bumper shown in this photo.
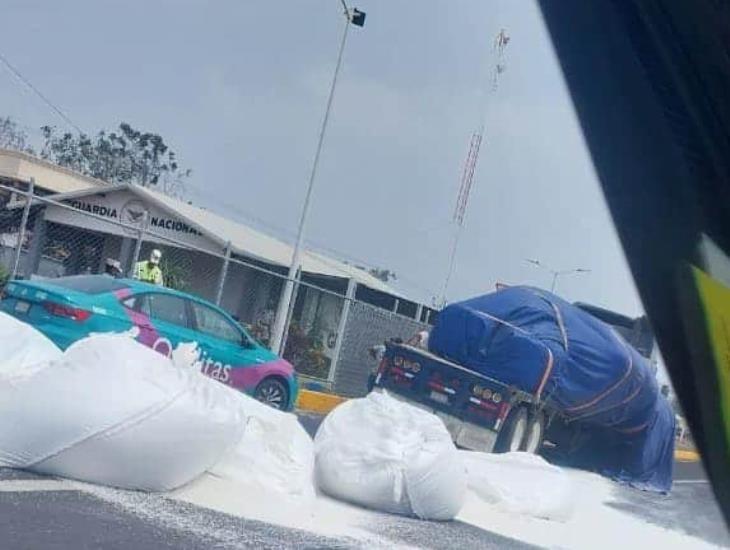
(465, 435)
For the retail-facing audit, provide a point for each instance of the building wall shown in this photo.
(21, 166)
(125, 207)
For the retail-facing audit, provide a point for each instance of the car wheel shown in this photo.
(512, 434)
(272, 392)
(535, 433)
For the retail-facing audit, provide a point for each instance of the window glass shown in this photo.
(164, 307)
(212, 323)
(90, 284)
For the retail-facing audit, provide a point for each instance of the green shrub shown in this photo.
(306, 352)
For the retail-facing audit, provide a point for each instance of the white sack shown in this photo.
(275, 453)
(387, 455)
(520, 483)
(22, 348)
(115, 412)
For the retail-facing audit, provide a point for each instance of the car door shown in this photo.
(223, 343)
(164, 321)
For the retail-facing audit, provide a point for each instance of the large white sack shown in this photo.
(275, 453)
(22, 348)
(114, 412)
(390, 456)
(521, 483)
(267, 475)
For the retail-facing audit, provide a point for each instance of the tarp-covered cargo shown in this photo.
(540, 343)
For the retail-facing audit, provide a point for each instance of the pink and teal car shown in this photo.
(69, 308)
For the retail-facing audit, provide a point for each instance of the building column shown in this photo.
(349, 297)
(35, 250)
(125, 254)
(258, 303)
(222, 275)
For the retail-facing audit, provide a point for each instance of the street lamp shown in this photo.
(555, 273)
(355, 17)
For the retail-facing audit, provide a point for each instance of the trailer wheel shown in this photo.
(513, 431)
(534, 434)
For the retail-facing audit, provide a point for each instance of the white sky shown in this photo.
(238, 89)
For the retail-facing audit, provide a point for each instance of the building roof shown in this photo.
(245, 240)
(248, 241)
(51, 177)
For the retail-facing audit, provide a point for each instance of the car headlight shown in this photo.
(487, 393)
(496, 397)
(477, 390)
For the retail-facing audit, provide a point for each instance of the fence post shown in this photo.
(223, 273)
(290, 311)
(23, 225)
(137, 246)
(349, 297)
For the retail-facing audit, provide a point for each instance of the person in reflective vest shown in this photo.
(149, 271)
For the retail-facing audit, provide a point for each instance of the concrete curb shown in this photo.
(317, 402)
(681, 455)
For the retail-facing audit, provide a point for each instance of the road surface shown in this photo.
(38, 512)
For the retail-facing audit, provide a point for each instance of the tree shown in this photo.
(13, 137)
(384, 275)
(127, 156)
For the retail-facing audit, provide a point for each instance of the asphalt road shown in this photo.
(690, 508)
(38, 513)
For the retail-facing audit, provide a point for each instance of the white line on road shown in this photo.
(31, 485)
(690, 481)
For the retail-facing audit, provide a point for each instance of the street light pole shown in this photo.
(556, 273)
(280, 321)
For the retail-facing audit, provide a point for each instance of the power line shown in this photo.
(37, 92)
(251, 217)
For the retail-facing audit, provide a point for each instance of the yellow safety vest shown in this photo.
(148, 272)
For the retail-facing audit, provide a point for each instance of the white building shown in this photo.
(88, 221)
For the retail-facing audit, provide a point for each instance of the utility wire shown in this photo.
(261, 222)
(37, 92)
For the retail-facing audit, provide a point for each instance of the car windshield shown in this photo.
(90, 284)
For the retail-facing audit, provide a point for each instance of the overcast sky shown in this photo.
(238, 89)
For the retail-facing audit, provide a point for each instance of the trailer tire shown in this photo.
(512, 434)
(534, 434)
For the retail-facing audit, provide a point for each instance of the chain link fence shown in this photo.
(366, 326)
(330, 326)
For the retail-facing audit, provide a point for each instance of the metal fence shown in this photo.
(330, 326)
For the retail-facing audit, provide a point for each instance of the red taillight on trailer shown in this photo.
(73, 313)
(384, 362)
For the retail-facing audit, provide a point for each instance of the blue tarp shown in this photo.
(542, 344)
